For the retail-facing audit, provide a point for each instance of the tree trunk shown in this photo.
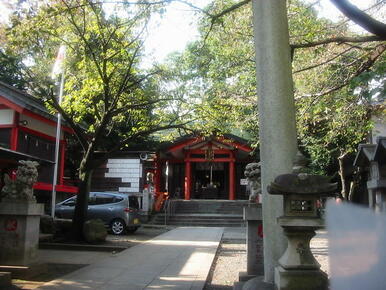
(342, 176)
(352, 190)
(80, 214)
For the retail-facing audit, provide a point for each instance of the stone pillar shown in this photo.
(188, 176)
(253, 217)
(276, 117)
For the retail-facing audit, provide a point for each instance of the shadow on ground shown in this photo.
(53, 271)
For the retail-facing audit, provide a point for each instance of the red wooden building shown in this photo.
(27, 132)
(203, 168)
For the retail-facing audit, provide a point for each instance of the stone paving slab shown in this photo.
(179, 259)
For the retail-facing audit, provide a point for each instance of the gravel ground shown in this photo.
(231, 259)
(319, 247)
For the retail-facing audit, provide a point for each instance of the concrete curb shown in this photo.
(81, 247)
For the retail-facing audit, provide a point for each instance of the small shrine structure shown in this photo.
(198, 167)
(371, 158)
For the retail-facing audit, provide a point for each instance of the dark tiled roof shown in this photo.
(25, 100)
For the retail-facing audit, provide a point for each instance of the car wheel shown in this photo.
(117, 227)
(131, 230)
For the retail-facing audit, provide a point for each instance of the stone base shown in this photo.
(300, 279)
(244, 276)
(256, 283)
(19, 233)
(238, 285)
(25, 272)
(5, 279)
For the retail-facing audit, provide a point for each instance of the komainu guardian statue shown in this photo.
(20, 189)
(252, 173)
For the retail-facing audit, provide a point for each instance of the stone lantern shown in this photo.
(372, 158)
(298, 269)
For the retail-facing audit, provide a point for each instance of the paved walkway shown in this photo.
(179, 259)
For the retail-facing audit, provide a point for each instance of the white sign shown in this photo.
(243, 181)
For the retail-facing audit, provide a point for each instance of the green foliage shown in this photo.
(110, 103)
(216, 75)
(107, 97)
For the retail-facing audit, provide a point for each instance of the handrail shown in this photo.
(169, 208)
(166, 210)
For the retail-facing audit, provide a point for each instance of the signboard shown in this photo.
(243, 181)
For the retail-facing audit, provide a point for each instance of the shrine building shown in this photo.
(28, 132)
(203, 168)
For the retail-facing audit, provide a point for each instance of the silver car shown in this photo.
(119, 211)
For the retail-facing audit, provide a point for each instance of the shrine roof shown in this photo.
(226, 142)
(365, 154)
(21, 102)
(24, 100)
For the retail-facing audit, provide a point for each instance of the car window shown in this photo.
(133, 202)
(104, 198)
(92, 200)
(70, 202)
(118, 198)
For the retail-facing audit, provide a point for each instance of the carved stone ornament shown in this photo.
(252, 173)
(20, 189)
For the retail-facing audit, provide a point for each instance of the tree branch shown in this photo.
(377, 52)
(138, 105)
(338, 40)
(361, 18)
(214, 17)
(85, 41)
(324, 62)
(78, 131)
(137, 135)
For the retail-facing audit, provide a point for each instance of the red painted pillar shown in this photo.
(188, 176)
(232, 195)
(14, 132)
(157, 177)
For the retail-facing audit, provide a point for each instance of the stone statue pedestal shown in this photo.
(19, 232)
(253, 217)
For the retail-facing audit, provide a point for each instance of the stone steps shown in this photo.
(203, 213)
(208, 206)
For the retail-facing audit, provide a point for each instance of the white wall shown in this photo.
(39, 126)
(129, 170)
(6, 116)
